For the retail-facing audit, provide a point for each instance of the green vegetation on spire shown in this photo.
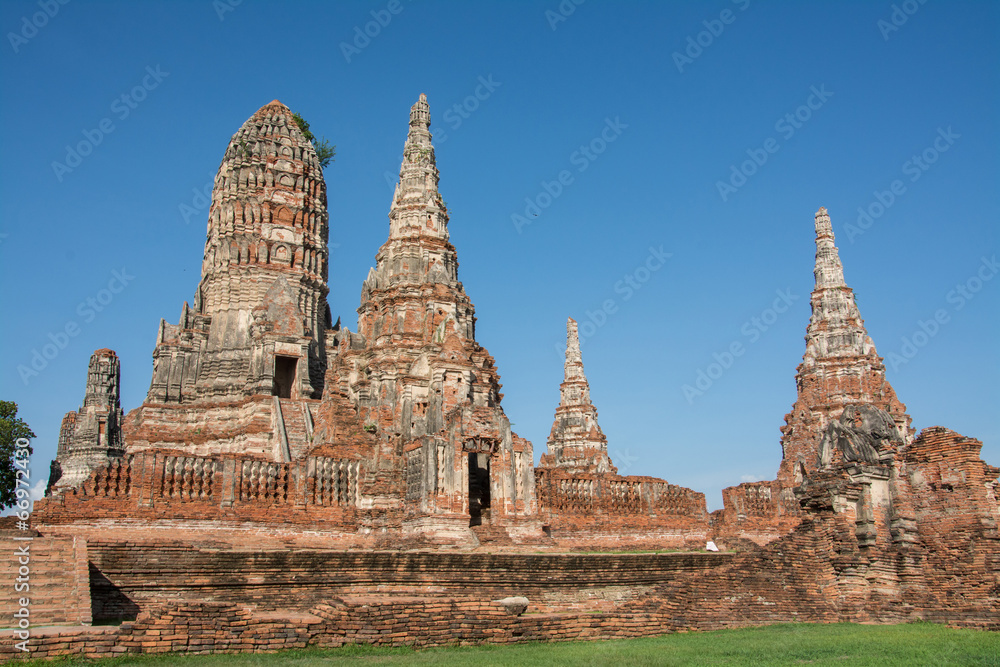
(324, 151)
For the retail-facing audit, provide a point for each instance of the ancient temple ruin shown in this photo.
(419, 380)
(91, 435)
(840, 366)
(576, 442)
(288, 482)
(257, 397)
(251, 351)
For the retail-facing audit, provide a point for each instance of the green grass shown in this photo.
(840, 644)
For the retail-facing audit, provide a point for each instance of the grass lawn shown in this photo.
(795, 644)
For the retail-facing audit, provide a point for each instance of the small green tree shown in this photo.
(12, 428)
(324, 150)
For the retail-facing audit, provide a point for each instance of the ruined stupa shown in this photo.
(840, 366)
(576, 442)
(841, 385)
(92, 434)
(256, 331)
(419, 378)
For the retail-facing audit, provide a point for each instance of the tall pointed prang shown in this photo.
(417, 206)
(573, 367)
(420, 378)
(840, 366)
(417, 256)
(576, 442)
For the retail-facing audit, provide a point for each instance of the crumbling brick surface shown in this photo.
(51, 573)
(605, 510)
(296, 579)
(289, 483)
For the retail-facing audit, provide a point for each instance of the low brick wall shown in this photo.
(316, 493)
(50, 572)
(758, 512)
(608, 511)
(140, 576)
(200, 628)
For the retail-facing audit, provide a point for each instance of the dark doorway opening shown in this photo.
(284, 376)
(479, 488)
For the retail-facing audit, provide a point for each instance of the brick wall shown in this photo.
(603, 510)
(759, 512)
(954, 499)
(301, 578)
(218, 627)
(55, 573)
(318, 492)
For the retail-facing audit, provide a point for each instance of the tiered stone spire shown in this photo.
(576, 442)
(417, 263)
(267, 234)
(268, 220)
(840, 367)
(416, 372)
(91, 435)
(417, 206)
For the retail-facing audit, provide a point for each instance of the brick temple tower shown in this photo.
(92, 434)
(256, 332)
(576, 442)
(421, 380)
(840, 367)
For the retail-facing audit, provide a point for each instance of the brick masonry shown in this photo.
(292, 483)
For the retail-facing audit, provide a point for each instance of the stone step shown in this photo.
(298, 426)
(487, 534)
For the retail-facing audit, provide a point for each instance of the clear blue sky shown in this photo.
(673, 129)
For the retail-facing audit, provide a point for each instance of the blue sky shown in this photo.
(708, 131)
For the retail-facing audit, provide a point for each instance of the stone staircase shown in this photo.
(491, 535)
(296, 420)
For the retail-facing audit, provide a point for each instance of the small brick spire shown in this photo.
(576, 441)
(840, 366)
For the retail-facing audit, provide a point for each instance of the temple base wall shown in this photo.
(52, 574)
